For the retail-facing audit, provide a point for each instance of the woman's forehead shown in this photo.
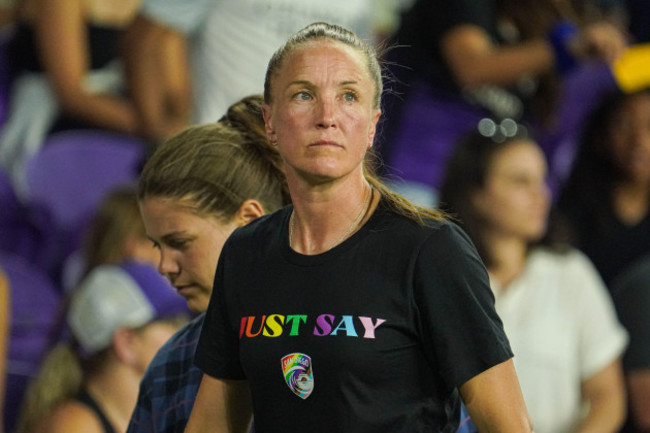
(319, 52)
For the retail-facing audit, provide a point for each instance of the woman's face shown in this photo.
(189, 246)
(322, 114)
(515, 199)
(630, 138)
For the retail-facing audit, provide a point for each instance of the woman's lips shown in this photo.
(325, 143)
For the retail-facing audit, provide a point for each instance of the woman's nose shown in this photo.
(167, 265)
(326, 114)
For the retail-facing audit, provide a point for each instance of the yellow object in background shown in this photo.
(632, 69)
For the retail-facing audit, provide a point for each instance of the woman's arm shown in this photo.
(638, 387)
(605, 393)
(494, 400)
(69, 417)
(60, 28)
(157, 71)
(221, 406)
(474, 60)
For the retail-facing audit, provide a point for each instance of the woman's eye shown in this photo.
(303, 96)
(177, 243)
(350, 96)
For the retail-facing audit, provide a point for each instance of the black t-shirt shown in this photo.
(103, 44)
(631, 293)
(373, 335)
(609, 243)
(83, 397)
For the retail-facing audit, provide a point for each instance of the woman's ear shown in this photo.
(248, 211)
(268, 124)
(373, 127)
(123, 339)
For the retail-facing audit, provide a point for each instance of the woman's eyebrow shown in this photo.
(301, 83)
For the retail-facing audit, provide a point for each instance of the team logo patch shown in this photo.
(298, 374)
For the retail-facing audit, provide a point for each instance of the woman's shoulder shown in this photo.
(437, 236)
(261, 230)
(572, 271)
(565, 257)
(72, 416)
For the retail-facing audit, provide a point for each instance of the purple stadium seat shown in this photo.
(35, 304)
(21, 230)
(69, 176)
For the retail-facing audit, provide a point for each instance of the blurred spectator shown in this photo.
(115, 233)
(5, 319)
(614, 11)
(119, 316)
(557, 314)
(66, 54)
(230, 43)
(606, 197)
(457, 62)
(631, 292)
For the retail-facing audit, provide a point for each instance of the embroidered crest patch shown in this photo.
(298, 374)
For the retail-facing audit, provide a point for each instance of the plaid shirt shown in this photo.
(170, 384)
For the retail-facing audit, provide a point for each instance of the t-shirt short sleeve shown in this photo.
(459, 323)
(217, 353)
(184, 16)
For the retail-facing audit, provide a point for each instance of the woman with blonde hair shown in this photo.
(115, 233)
(352, 310)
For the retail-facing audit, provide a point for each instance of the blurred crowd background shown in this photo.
(90, 88)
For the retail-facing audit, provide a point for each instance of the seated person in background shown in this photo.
(631, 292)
(118, 317)
(555, 309)
(457, 62)
(115, 233)
(237, 177)
(230, 43)
(606, 198)
(66, 53)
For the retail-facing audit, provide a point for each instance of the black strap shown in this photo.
(85, 398)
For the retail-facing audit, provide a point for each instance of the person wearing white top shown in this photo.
(556, 311)
(227, 44)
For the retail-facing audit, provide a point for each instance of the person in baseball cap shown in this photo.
(118, 318)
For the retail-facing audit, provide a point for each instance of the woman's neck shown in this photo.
(115, 389)
(631, 202)
(508, 258)
(324, 217)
